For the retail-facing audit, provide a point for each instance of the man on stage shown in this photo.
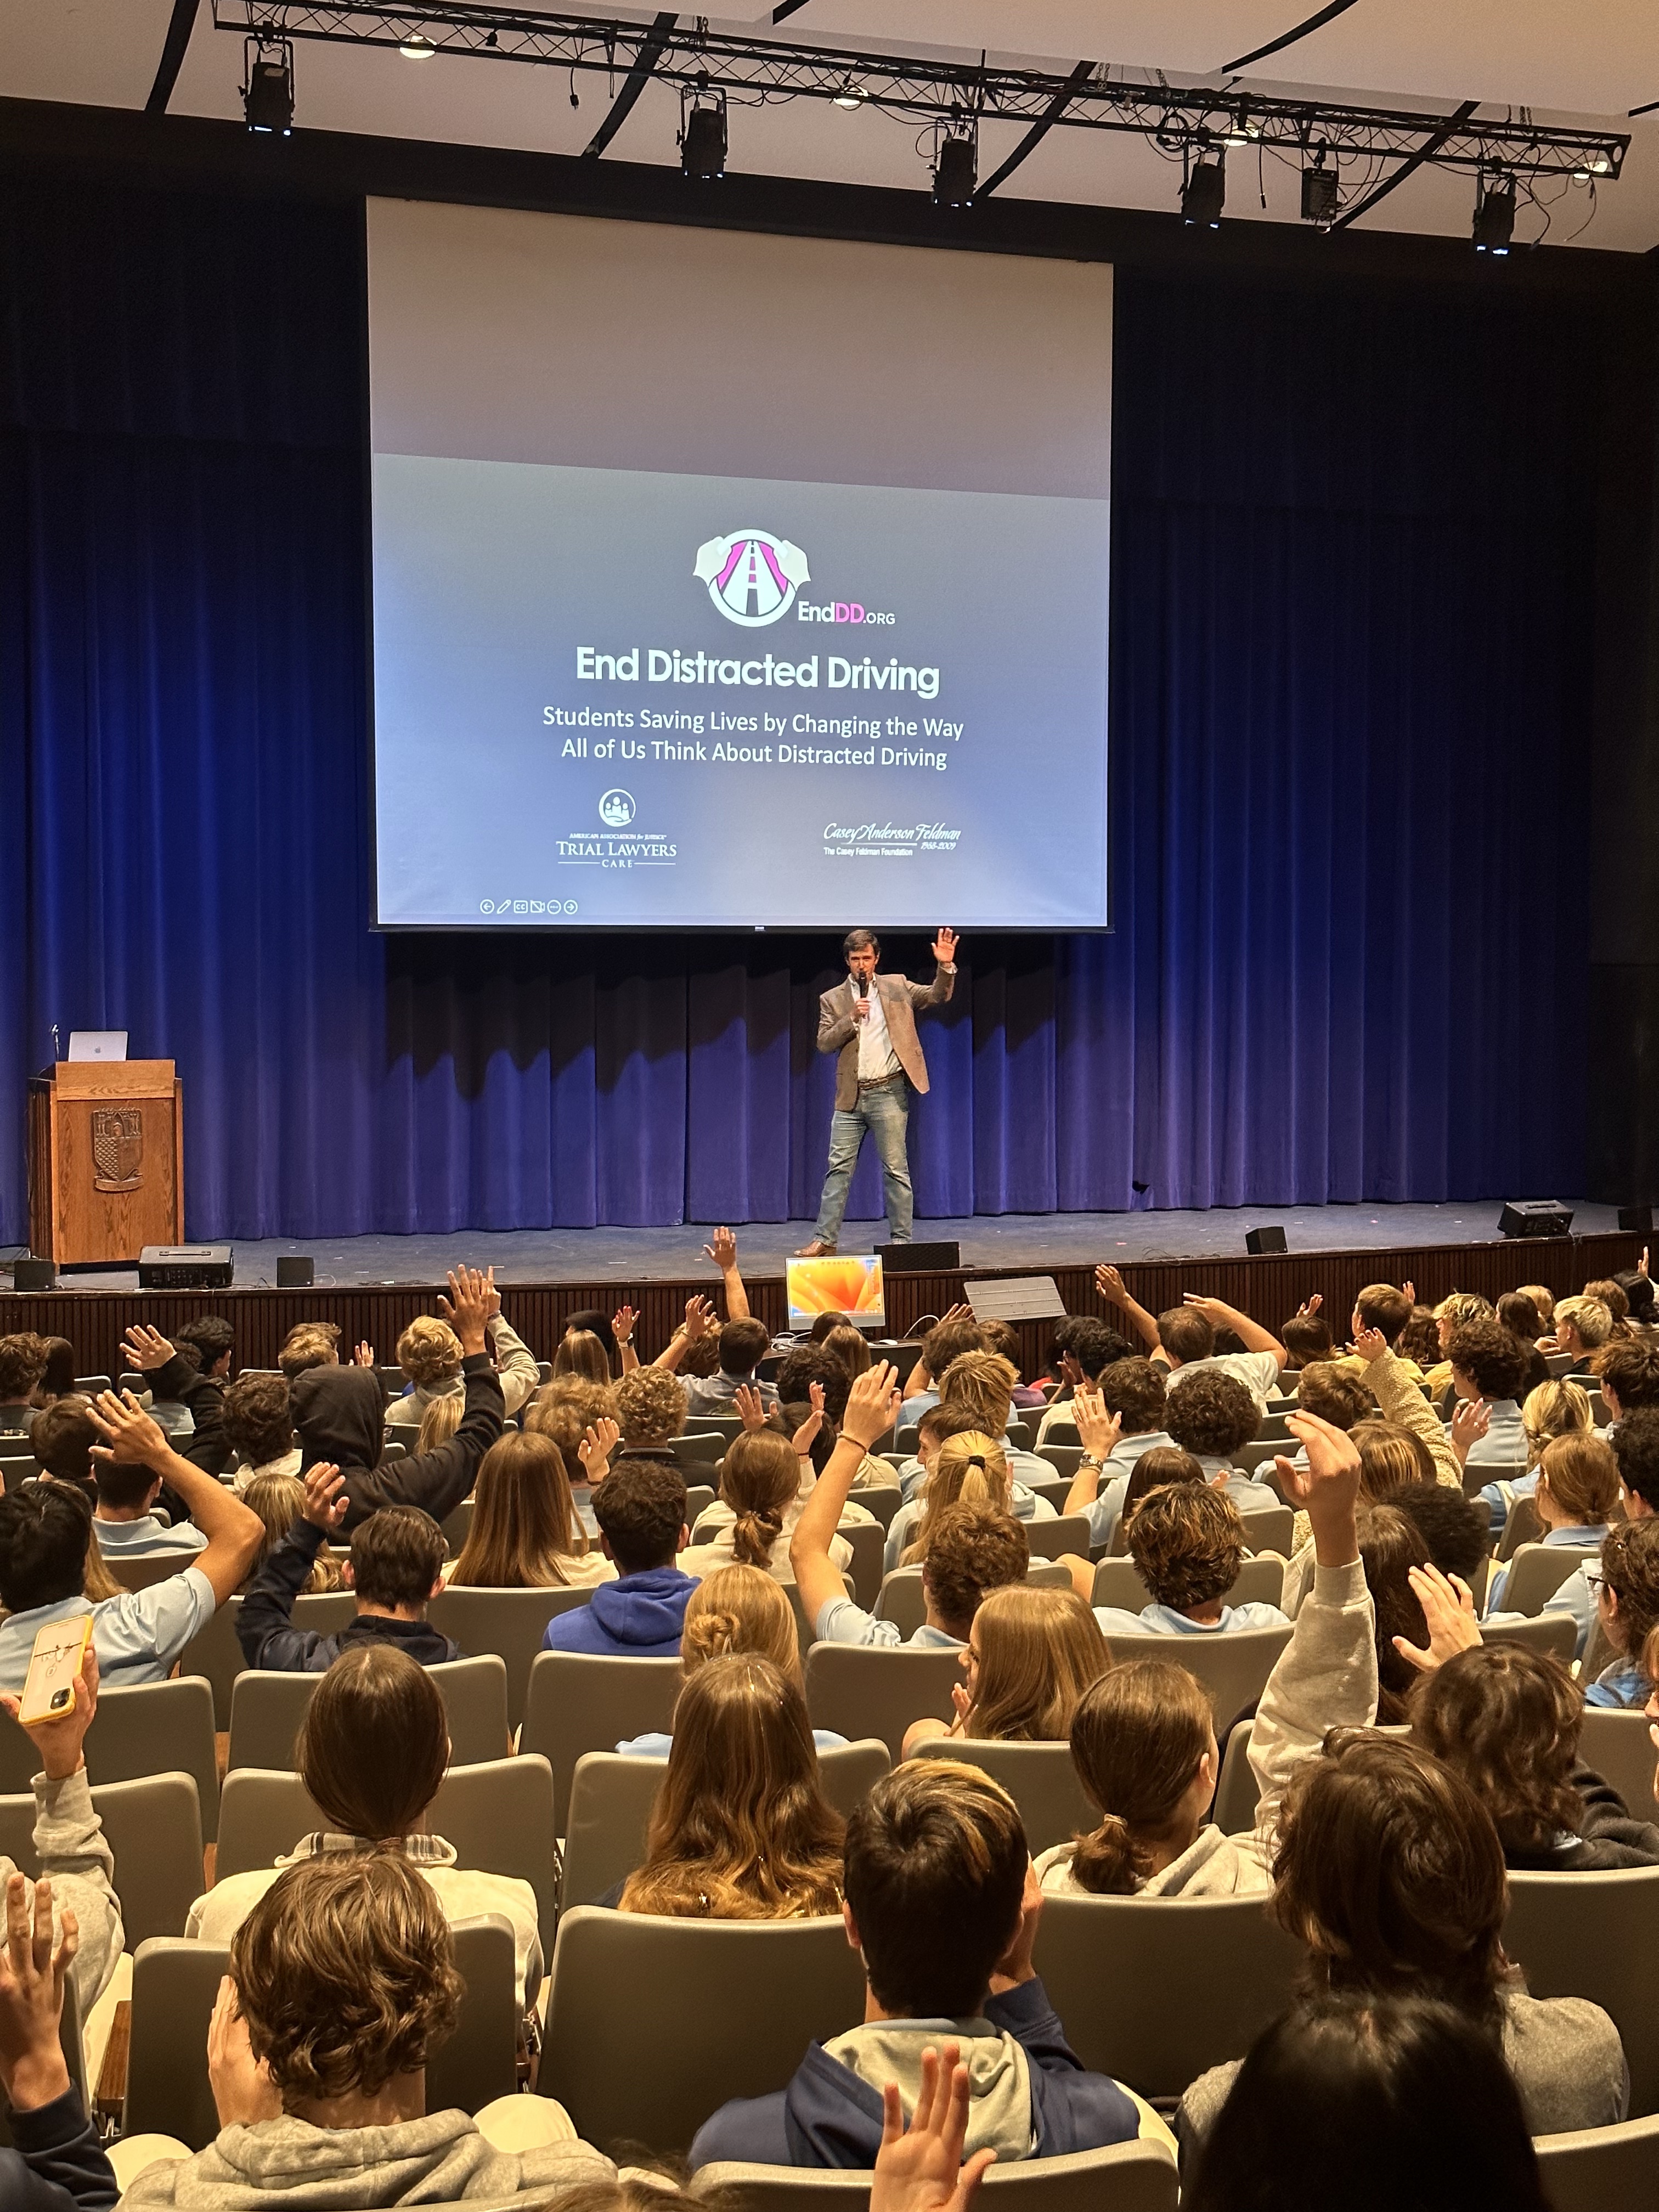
(870, 1021)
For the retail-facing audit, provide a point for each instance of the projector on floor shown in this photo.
(185, 1267)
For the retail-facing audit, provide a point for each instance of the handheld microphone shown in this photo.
(863, 987)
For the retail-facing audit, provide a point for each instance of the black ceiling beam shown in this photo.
(1040, 130)
(1426, 152)
(786, 8)
(180, 24)
(1302, 31)
(650, 53)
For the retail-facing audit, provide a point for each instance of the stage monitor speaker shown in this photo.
(1258, 1241)
(34, 1275)
(1637, 1219)
(1534, 1216)
(185, 1267)
(296, 1271)
(919, 1259)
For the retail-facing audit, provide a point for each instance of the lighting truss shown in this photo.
(934, 88)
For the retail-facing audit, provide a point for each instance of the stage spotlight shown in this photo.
(268, 95)
(420, 50)
(849, 95)
(1204, 194)
(956, 171)
(703, 142)
(1494, 215)
(1319, 192)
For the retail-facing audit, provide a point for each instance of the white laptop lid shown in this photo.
(98, 1044)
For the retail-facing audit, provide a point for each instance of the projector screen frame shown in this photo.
(866, 915)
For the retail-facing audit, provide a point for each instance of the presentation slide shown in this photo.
(677, 634)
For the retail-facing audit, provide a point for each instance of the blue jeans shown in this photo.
(885, 1113)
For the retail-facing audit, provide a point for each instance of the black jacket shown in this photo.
(264, 1624)
(1609, 1836)
(58, 2166)
(204, 1397)
(340, 1413)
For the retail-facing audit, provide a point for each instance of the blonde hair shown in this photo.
(1542, 1298)
(581, 1352)
(1554, 1409)
(737, 1611)
(279, 1500)
(1582, 1474)
(440, 1422)
(970, 1469)
(981, 1383)
(650, 1406)
(430, 1351)
(760, 1479)
(1038, 1651)
(524, 1518)
(1463, 1305)
(566, 1409)
(1589, 1317)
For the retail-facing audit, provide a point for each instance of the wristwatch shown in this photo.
(1091, 1459)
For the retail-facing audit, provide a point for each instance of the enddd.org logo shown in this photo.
(617, 809)
(752, 576)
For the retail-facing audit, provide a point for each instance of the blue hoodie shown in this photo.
(829, 2116)
(637, 1617)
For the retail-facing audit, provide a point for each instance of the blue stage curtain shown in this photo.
(1350, 669)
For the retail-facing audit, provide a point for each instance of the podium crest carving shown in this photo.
(118, 1147)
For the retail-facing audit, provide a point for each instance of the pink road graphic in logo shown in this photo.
(752, 576)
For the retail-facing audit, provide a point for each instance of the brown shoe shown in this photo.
(818, 1249)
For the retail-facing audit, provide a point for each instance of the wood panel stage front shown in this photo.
(1269, 1288)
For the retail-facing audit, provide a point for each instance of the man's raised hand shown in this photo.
(873, 1405)
(31, 1977)
(749, 1407)
(722, 1250)
(698, 1318)
(945, 948)
(326, 1499)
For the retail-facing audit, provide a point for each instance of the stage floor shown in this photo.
(1036, 1241)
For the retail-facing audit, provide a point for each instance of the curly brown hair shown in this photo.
(23, 1363)
(1337, 1397)
(1134, 1390)
(1188, 1542)
(1507, 1720)
(345, 1974)
(650, 1406)
(1630, 1368)
(1211, 1414)
(1494, 1361)
(566, 1409)
(974, 1549)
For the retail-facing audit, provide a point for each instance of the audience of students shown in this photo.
(395, 1570)
(1030, 1655)
(525, 1533)
(971, 1467)
(764, 1487)
(641, 1511)
(736, 1612)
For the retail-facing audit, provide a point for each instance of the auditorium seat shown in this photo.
(143, 1570)
(1596, 1936)
(578, 1702)
(1117, 1581)
(152, 1727)
(217, 1655)
(155, 1829)
(882, 1499)
(266, 1709)
(653, 2025)
(1232, 1665)
(699, 1496)
(1263, 1453)
(698, 1447)
(1555, 1634)
(1270, 1528)
(1590, 2171)
(1236, 1795)
(456, 1526)
(175, 1985)
(1042, 1779)
(1618, 1745)
(1049, 1540)
(1062, 1456)
(867, 1690)
(17, 1468)
(904, 1601)
(1522, 1525)
(1476, 1477)
(1153, 1991)
(508, 1623)
(1129, 2177)
(610, 1802)
(1538, 1570)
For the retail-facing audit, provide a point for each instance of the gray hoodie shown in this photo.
(74, 1852)
(998, 2076)
(441, 2158)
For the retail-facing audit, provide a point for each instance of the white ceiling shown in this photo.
(1594, 60)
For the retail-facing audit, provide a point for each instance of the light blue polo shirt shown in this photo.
(137, 1636)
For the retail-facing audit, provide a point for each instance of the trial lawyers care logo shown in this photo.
(752, 576)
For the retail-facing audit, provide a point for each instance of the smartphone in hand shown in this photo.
(49, 1687)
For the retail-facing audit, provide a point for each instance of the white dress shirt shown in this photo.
(877, 1057)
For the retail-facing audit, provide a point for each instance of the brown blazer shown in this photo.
(902, 1001)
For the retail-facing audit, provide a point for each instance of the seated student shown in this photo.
(1389, 1869)
(1517, 1313)
(1508, 1720)
(1487, 1364)
(525, 1533)
(568, 1409)
(1143, 1737)
(1153, 1470)
(280, 1501)
(185, 1381)
(57, 1376)
(1576, 1495)
(339, 1414)
(1638, 1293)
(1629, 1376)
(1185, 1340)
(341, 1982)
(974, 1549)
(1455, 1529)
(1409, 2093)
(579, 1351)
(740, 1828)
(1450, 1314)
(1419, 1341)
(1392, 1551)
(938, 1423)
(982, 1383)
(848, 1344)
(438, 1424)
(1212, 1416)
(259, 1429)
(641, 1509)
(761, 1497)
(22, 1364)
(971, 1468)
(1307, 1341)
(1031, 1654)
(46, 1531)
(61, 1441)
(649, 1408)
(309, 1344)
(430, 1354)
(1117, 1424)
(1381, 1309)
(1002, 1337)
(396, 1568)
(615, 1333)
(742, 1345)
(123, 1521)
(1582, 1326)
(373, 1751)
(1089, 1347)
(943, 1908)
(735, 1612)
(1543, 1300)
(946, 1340)
(1188, 1543)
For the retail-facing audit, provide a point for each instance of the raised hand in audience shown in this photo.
(1409, 1291)
(1309, 1307)
(61, 1737)
(722, 1250)
(325, 1498)
(363, 1356)
(471, 1301)
(598, 1442)
(623, 1324)
(1098, 1430)
(1448, 1604)
(243, 2091)
(1015, 1965)
(144, 1349)
(920, 2168)
(1110, 1283)
(1471, 1419)
(1368, 1344)
(131, 1437)
(806, 1435)
(698, 1318)
(1327, 1488)
(32, 2069)
(750, 1407)
(873, 1405)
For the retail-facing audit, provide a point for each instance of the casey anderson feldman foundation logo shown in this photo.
(752, 576)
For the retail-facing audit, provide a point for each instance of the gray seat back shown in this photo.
(1129, 2177)
(1042, 1779)
(153, 1827)
(153, 1728)
(872, 1690)
(510, 1624)
(1117, 1583)
(1538, 1570)
(1232, 1664)
(577, 1703)
(1596, 2168)
(1595, 1935)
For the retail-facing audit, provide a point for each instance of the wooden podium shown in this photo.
(106, 1160)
